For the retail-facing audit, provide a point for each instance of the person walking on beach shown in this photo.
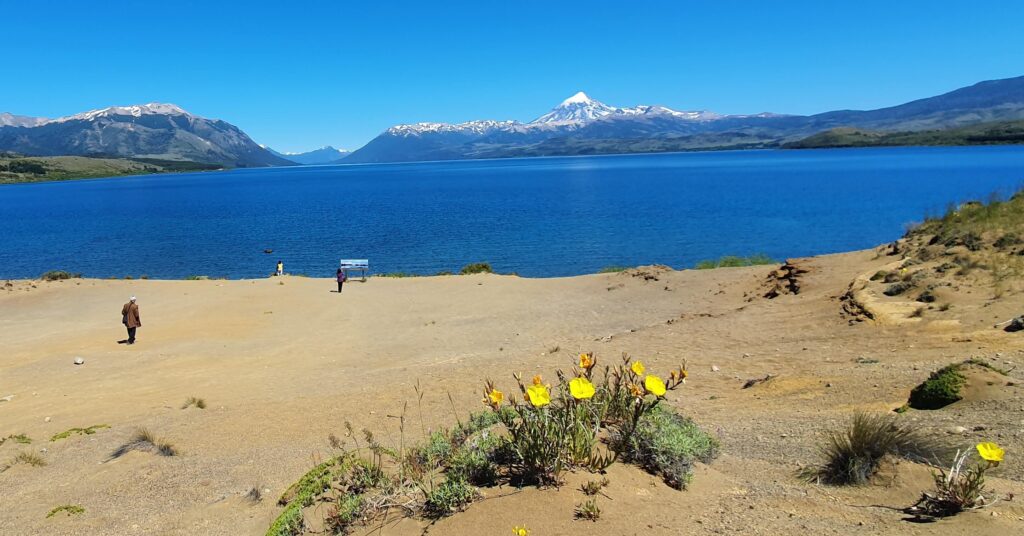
(280, 268)
(341, 279)
(130, 319)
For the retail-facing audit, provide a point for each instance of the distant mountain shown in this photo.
(323, 155)
(582, 125)
(994, 133)
(162, 131)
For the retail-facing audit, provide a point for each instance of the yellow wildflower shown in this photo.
(654, 385)
(495, 397)
(990, 452)
(637, 368)
(581, 388)
(586, 361)
(537, 380)
(520, 531)
(539, 395)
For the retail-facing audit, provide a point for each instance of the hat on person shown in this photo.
(133, 298)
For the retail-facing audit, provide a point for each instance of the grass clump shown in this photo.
(79, 431)
(941, 389)
(593, 487)
(732, 261)
(449, 497)
(58, 275)
(666, 443)
(476, 268)
(853, 454)
(193, 401)
(588, 510)
(69, 509)
(144, 440)
(397, 275)
(28, 458)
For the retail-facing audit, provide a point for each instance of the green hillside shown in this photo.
(16, 168)
(995, 133)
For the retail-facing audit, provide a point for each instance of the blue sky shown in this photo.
(298, 75)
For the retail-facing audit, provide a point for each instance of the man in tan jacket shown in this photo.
(130, 319)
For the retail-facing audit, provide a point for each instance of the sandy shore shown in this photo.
(283, 362)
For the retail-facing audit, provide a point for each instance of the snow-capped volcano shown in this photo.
(578, 108)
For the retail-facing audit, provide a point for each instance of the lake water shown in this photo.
(536, 217)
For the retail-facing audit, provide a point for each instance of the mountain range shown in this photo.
(578, 125)
(161, 131)
(582, 125)
(323, 155)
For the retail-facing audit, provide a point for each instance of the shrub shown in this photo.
(960, 488)
(553, 429)
(941, 389)
(476, 268)
(57, 275)
(69, 509)
(345, 512)
(665, 443)
(853, 454)
(449, 497)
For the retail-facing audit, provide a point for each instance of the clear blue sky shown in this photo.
(297, 75)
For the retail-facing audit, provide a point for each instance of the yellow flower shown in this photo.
(520, 531)
(637, 368)
(496, 397)
(539, 395)
(990, 452)
(654, 385)
(635, 391)
(581, 388)
(537, 380)
(586, 361)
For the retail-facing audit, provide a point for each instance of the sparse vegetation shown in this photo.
(79, 431)
(21, 439)
(962, 487)
(593, 487)
(588, 510)
(69, 509)
(451, 496)
(144, 440)
(852, 454)
(58, 275)
(477, 268)
(667, 444)
(193, 401)
(613, 269)
(27, 458)
(941, 389)
(730, 261)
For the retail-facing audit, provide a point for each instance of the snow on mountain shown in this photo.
(138, 110)
(11, 120)
(578, 108)
(469, 127)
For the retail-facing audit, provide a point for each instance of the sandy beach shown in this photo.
(283, 362)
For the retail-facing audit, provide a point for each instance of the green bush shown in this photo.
(449, 497)
(666, 443)
(941, 389)
(477, 268)
(57, 275)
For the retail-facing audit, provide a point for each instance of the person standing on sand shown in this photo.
(130, 319)
(341, 279)
(280, 268)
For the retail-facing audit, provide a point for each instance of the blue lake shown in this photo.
(537, 217)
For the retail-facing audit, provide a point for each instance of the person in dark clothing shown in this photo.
(130, 318)
(341, 279)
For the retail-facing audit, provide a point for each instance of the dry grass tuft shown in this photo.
(193, 401)
(144, 440)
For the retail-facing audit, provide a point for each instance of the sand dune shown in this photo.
(283, 362)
